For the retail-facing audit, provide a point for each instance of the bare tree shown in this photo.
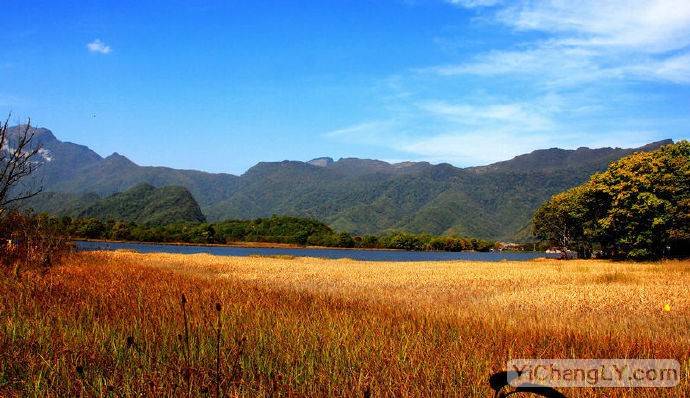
(18, 160)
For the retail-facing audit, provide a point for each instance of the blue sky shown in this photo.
(219, 86)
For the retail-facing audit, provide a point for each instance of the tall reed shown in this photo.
(109, 324)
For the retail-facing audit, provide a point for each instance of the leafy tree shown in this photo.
(560, 221)
(345, 240)
(645, 210)
(120, 231)
(404, 241)
(91, 228)
(369, 241)
(638, 208)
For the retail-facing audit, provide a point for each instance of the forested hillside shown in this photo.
(142, 204)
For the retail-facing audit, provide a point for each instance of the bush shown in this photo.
(291, 230)
(404, 241)
(345, 240)
(28, 241)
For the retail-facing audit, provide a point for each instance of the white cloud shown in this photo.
(483, 133)
(474, 3)
(460, 133)
(97, 46)
(485, 146)
(376, 132)
(675, 69)
(498, 138)
(650, 26)
(474, 148)
(523, 116)
(552, 66)
(589, 41)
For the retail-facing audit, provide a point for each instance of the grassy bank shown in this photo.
(112, 323)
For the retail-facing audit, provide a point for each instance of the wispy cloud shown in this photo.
(359, 129)
(473, 148)
(467, 145)
(674, 69)
(377, 132)
(98, 46)
(520, 114)
(591, 40)
(649, 26)
(460, 133)
(551, 66)
(474, 3)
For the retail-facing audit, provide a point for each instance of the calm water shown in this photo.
(369, 255)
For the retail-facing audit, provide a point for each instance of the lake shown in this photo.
(356, 254)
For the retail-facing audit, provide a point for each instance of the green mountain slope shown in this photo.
(354, 195)
(143, 204)
(61, 203)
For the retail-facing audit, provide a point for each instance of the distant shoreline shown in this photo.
(249, 245)
(270, 245)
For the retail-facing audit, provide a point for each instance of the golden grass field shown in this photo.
(111, 324)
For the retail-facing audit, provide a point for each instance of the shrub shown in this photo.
(31, 241)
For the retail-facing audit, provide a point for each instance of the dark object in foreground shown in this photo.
(499, 381)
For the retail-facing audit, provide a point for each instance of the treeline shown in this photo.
(639, 208)
(276, 229)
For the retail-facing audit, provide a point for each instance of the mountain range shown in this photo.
(354, 195)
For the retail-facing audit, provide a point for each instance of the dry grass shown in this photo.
(111, 324)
